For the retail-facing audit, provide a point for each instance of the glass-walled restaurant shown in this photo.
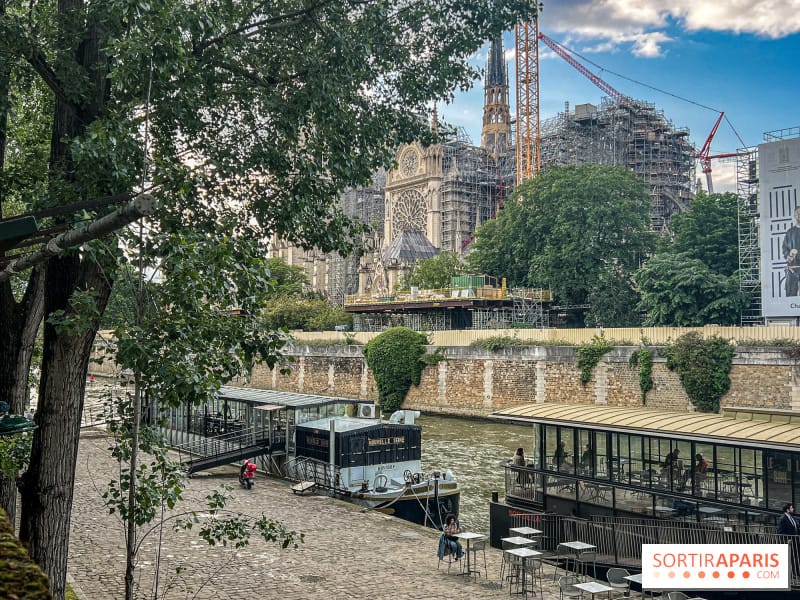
(590, 460)
(263, 414)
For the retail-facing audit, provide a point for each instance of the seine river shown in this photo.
(472, 449)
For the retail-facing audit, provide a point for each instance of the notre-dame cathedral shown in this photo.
(432, 201)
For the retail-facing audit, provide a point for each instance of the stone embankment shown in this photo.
(348, 552)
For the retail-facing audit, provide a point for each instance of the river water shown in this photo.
(472, 449)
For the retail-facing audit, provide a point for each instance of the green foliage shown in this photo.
(288, 280)
(19, 575)
(434, 358)
(570, 224)
(613, 300)
(643, 359)
(497, 342)
(682, 291)
(220, 527)
(590, 354)
(160, 481)
(709, 232)
(434, 273)
(305, 314)
(703, 367)
(395, 357)
(15, 451)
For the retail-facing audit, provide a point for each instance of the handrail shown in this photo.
(320, 472)
(619, 540)
(221, 444)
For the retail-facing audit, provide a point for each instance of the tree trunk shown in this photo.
(47, 486)
(19, 324)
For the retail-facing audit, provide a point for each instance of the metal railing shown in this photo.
(221, 444)
(323, 474)
(619, 540)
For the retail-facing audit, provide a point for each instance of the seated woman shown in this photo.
(451, 528)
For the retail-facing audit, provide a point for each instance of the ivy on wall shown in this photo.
(590, 354)
(397, 358)
(703, 367)
(643, 358)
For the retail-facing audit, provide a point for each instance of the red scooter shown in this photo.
(247, 474)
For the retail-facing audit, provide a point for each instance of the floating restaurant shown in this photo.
(739, 467)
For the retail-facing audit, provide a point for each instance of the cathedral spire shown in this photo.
(496, 132)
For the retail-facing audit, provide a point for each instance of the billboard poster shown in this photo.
(779, 180)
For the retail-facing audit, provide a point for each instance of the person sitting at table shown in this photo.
(451, 528)
(698, 470)
(519, 461)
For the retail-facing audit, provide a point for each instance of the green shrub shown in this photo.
(643, 358)
(498, 342)
(396, 360)
(703, 366)
(590, 354)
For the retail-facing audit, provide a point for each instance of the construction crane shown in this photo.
(529, 146)
(565, 54)
(703, 155)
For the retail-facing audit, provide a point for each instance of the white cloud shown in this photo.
(641, 25)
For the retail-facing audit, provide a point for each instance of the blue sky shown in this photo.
(730, 55)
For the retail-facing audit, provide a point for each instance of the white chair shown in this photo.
(616, 579)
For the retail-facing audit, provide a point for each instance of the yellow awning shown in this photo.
(661, 423)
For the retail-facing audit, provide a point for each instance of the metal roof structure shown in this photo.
(409, 246)
(747, 431)
(288, 399)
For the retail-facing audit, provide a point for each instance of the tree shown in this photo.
(709, 232)
(231, 114)
(289, 280)
(682, 291)
(434, 273)
(571, 225)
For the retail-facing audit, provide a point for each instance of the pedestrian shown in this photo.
(787, 524)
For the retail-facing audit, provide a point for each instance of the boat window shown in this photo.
(565, 459)
(550, 443)
(601, 454)
(778, 479)
(701, 482)
(586, 458)
(537, 456)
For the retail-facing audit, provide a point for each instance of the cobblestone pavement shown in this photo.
(348, 552)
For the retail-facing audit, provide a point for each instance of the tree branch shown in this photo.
(140, 206)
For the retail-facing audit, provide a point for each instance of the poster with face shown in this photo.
(779, 180)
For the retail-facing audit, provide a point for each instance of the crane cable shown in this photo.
(652, 87)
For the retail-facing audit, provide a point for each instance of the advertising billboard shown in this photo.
(779, 180)
(715, 567)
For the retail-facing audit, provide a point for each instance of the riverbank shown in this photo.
(348, 552)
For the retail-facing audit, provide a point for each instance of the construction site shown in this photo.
(436, 197)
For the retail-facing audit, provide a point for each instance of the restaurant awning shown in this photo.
(744, 430)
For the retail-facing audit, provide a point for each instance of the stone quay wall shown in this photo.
(476, 382)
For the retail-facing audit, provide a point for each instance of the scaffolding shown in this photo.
(632, 134)
(472, 187)
(365, 204)
(749, 252)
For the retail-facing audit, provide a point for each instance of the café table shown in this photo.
(593, 587)
(637, 578)
(525, 531)
(469, 536)
(574, 548)
(523, 554)
(519, 541)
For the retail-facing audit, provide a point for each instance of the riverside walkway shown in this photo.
(348, 551)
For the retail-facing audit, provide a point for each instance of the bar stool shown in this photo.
(510, 563)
